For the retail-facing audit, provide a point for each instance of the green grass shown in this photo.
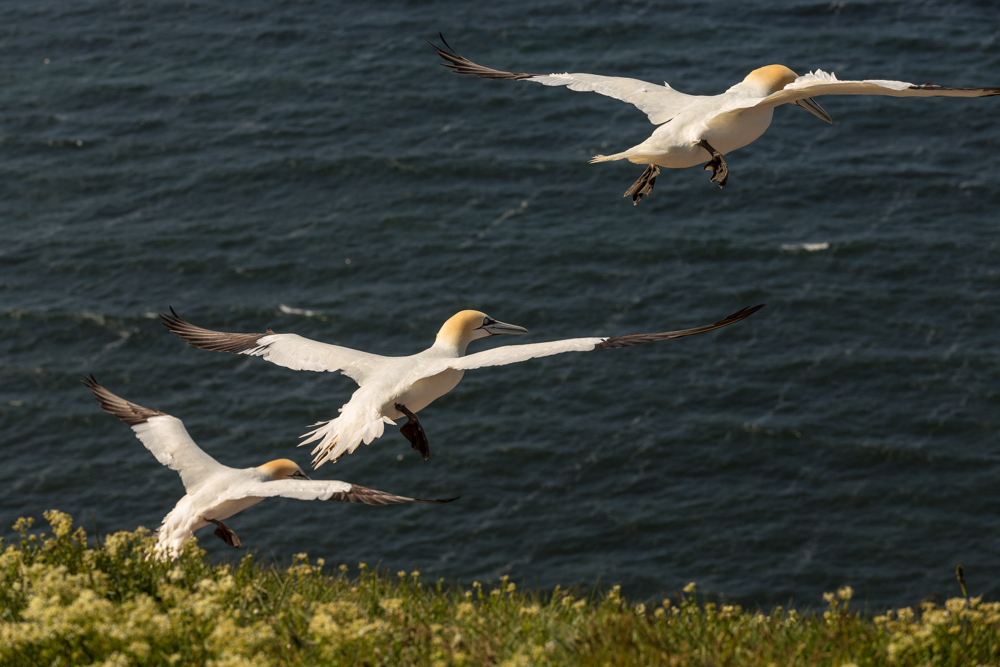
(64, 602)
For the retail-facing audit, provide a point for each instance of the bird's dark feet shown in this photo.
(224, 533)
(644, 185)
(414, 432)
(718, 166)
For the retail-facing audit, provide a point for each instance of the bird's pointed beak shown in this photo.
(813, 107)
(503, 328)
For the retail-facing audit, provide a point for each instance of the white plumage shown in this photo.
(700, 129)
(214, 491)
(394, 387)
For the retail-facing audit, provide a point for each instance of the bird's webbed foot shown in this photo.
(224, 533)
(414, 432)
(718, 166)
(644, 185)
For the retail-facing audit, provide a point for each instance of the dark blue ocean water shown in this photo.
(310, 167)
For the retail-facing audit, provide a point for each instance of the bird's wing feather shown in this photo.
(639, 339)
(509, 354)
(163, 435)
(288, 350)
(819, 83)
(323, 490)
(660, 103)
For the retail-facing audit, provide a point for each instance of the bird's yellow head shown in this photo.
(464, 327)
(282, 469)
(772, 78)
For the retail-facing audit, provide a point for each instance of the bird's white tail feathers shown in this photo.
(609, 158)
(343, 435)
(176, 530)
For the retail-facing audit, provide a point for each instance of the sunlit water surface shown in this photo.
(310, 167)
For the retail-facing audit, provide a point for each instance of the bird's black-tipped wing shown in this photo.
(127, 411)
(288, 350)
(509, 354)
(819, 83)
(639, 339)
(462, 65)
(332, 490)
(659, 103)
(216, 341)
(162, 434)
(361, 494)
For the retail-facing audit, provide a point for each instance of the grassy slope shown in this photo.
(64, 603)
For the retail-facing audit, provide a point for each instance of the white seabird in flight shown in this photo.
(395, 387)
(214, 491)
(695, 129)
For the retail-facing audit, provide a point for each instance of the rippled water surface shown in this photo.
(310, 167)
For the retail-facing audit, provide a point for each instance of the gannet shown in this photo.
(394, 387)
(695, 129)
(214, 491)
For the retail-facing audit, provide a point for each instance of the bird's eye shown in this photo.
(488, 321)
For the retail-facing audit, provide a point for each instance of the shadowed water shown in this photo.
(310, 167)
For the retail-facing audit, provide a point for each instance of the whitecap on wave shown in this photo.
(288, 310)
(807, 247)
